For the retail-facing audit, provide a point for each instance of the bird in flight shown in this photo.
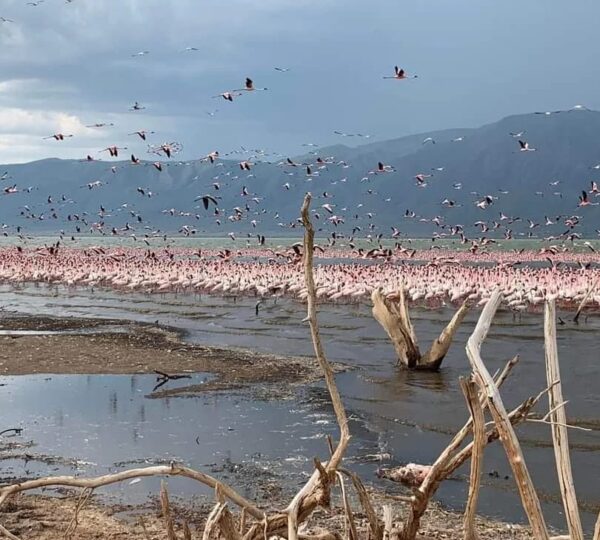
(142, 133)
(227, 96)
(400, 74)
(525, 146)
(58, 136)
(249, 87)
(206, 199)
(584, 201)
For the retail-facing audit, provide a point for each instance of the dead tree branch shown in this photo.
(352, 534)
(316, 492)
(558, 419)
(100, 481)
(469, 389)
(365, 501)
(81, 502)
(391, 313)
(444, 465)
(507, 434)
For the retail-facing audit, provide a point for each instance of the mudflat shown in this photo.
(45, 345)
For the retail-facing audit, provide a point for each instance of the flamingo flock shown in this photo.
(264, 273)
(564, 265)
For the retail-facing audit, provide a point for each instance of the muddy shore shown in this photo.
(103, 346)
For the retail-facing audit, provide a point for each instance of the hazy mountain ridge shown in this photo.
(485, 160)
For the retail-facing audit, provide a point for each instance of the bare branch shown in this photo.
(508, 437)
(352, 534)
(99, 481)
(558, 420)
(365, 501)
(443, 465)
(469, 389)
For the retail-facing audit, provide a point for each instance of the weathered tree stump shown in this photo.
(391, 313)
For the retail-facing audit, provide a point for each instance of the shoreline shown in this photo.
(82, 346)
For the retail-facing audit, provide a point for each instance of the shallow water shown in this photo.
(107, 419)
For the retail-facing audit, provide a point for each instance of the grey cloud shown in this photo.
(476, 63)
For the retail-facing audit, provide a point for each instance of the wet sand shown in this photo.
(85, 346)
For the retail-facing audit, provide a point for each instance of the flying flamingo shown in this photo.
(400, 74)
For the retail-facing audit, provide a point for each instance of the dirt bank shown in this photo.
(91, 346)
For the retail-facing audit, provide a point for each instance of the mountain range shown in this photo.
(459, 166)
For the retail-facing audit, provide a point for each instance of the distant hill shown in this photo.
(484, 161)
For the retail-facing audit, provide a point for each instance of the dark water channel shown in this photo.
(107, 420)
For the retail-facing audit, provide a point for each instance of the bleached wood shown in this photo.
(445, 464)
(529, 498)
(105, 480)
(303, 497)
(439, 348)
(469, 389)
(558, 420)
(391, 312)
(351, 525)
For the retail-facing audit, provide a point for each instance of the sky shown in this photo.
(65, 65)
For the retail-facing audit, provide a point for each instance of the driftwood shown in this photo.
(316, 491)
(597, 529)
(363, 496)
(448, 461)
(108, 479)
(391, 313)
(529, 497)
(351, 532)
(469, 389)
(163, 378)
(558, 420)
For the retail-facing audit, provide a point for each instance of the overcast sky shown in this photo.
(64, 65)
